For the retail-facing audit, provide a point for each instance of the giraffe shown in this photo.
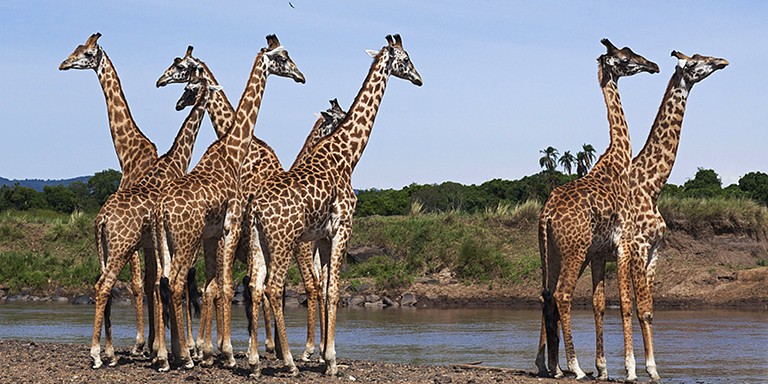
(136, 154)
(649, 172)
(314, 201)
(205, 206)
(585, 217)
(123, 222)
(263, 162)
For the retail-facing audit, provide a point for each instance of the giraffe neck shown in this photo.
(177, 158)
(220, 110)
(353, 132)
(653, 164)
(232, 148)
(130, 143)
(616, 160)
(312, 139)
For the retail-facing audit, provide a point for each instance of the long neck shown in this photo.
(616, 159)
(232, 148)
(353, 132)
(179, 156)
(220, 110)
(134, 150)
(312, 139)
(652, 166)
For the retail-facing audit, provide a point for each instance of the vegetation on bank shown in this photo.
(479, 233)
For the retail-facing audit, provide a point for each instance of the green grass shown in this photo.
(723, 215)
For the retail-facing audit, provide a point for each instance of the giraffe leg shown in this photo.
(191, 345)
(150, 275)
(138, 302)
(225, 259)
(321, 260)
(563, 296)
(598, 307)
(311, 285)
(280, 258)
(177, 280)
(269, 337)
(625, 294)
(258, 273)
(210, 291)
(540, 354)
(644, 299)
(338, 250)
(103, 290)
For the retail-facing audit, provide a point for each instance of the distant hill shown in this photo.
(38, 184)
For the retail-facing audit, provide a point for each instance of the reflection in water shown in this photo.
(691, 346)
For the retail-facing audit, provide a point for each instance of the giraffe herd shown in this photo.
(239, 203)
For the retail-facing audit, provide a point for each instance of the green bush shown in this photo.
(386, 272)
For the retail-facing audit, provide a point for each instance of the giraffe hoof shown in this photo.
(97, 364)
(112, 363)
(164, 366)
(138, 349)
(293, 371)
(307, 354)
(655, 381)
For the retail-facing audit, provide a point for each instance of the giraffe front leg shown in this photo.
(563, 296)
(309, 275)
(644, 299)
(258, 274)
(224, 261)
(280, 258)
(625, 294)
(338, 250)
(138, 302)
(598, 307)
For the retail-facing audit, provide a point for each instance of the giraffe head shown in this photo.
(181, 70)
(616, 63)
(278, 61)
(400, 64)
(86, 56)
(330, 118)
(196, 90)
(697, 67)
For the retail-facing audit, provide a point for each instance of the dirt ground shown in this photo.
(50, 363)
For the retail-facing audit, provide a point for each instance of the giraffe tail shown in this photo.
(165, 297)
(248, 299)
(193, 295)
(548, 306)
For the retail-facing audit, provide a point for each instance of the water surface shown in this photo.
(700, 346)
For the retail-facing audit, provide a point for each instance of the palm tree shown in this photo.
(585, 159)
(549, 160)
(567, 161)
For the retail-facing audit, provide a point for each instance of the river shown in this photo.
(692, 346)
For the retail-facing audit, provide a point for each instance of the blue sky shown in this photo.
(502, 80)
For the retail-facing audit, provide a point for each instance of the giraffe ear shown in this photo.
(93, 38)
(371, 52)
(214, 88)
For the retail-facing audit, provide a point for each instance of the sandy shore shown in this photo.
(48, 363)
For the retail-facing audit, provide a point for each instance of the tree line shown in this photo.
(77, 196)
(451, 196)
(444, 197)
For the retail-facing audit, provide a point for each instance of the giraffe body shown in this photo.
(135, 153)
(205, 206)
(649, 172)
(314, 201)
(585, 218)
(260, 163)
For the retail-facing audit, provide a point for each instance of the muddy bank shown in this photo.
(48, 363)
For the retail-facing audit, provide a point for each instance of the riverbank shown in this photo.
(49, 363)
(451, 260)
